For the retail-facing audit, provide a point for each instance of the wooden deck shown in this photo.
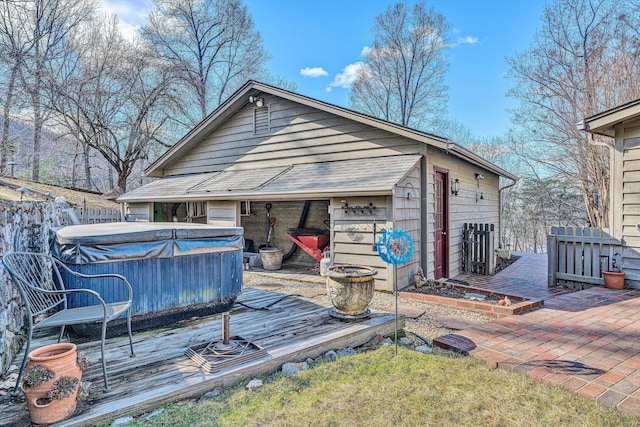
(291, 330)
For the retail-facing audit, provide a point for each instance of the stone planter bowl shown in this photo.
(350, 289)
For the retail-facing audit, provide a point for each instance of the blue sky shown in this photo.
(326, 37)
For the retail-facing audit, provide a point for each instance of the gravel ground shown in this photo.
(426, 325)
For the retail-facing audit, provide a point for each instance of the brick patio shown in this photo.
(586, 341)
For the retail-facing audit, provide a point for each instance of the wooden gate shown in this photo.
(578, 255)
(478, 255)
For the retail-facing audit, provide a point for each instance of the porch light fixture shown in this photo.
(258, 100)
(455, 186)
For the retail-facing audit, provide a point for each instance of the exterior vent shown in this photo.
(261, 122)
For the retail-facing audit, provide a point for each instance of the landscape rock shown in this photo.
(475, 296)
(154, 414)
(331, 356)
(404, 341)
(374, 341)
(347, 352)
(424, 349)
(386, 341)
(456, 323)
(408, 311)
(216, 392)
(253, 384)
(292, 368)
(310, 361)
(122, 421)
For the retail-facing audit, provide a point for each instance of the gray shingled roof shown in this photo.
(359, 176)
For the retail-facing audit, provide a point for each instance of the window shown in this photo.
(245, 208)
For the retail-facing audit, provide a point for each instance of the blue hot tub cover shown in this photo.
(91, 243)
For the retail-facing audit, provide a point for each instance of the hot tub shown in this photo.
(176, 270)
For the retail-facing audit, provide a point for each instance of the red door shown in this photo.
(441, 225)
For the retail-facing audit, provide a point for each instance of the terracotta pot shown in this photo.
(350, 289)
(613, 279)
(62, 360)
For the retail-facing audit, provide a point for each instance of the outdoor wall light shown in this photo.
(455, 186)
(258, 100)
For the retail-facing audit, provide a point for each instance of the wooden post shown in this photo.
(469, 246)
(552, 258)
(490, 254)
(225, 327)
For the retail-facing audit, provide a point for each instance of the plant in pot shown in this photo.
(52, 382)
(614, 278)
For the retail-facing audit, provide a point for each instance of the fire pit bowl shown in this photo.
(350, 289)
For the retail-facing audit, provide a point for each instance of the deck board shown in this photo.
(292, 329)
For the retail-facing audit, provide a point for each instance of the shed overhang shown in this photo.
(357, 177)
(605, 123)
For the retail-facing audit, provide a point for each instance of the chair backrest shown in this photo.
(33, 274)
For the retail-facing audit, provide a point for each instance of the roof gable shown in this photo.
(241, 98)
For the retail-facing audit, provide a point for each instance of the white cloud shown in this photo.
(467, 40)
(313, 72)
(132, 14)
(346, 77)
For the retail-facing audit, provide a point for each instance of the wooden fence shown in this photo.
(577, 256)
(478, 255)
(94, 216)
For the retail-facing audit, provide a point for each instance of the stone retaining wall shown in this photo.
(24, 226)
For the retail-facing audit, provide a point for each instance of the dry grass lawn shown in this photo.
(378, 388)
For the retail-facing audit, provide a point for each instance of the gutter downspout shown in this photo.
(611, 146)
(500, 209)
(592, 141)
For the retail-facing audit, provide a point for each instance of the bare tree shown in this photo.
(402, 77)
(14, 44)
(212, 46)
(584, 60)
(46, 24)
(113, 97)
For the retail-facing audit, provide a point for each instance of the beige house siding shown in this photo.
(406, 216)
(299, 134)
(223, 213)
(139, 212)
(476, 202)
(625, 176)
(353, 239)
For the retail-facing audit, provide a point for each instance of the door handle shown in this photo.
(444, 233)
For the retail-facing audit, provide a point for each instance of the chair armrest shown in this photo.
(98, 276)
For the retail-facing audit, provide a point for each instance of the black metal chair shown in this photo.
(38, 278)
